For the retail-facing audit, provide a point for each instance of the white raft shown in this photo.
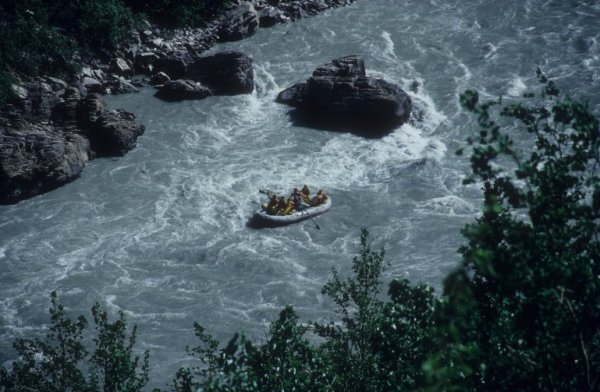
(295, 216)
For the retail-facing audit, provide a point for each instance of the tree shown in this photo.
(522, 311)
(53, 364)
(114, 366)
(379, 346)
(60, 362)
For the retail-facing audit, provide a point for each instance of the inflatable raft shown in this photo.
(295, 216)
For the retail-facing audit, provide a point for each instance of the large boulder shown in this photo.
(38, 159)
(239, 23)
(224, 73)
(114, 133)
(175, 65)
(339, 96)
(182, 89)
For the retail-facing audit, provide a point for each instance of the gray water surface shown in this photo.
(161, 233)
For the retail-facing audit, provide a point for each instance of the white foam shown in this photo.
(447, 205)
(516, 87)
(388, 46)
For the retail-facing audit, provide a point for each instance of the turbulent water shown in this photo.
(162, 233)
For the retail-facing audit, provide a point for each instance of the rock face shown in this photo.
(182, 89)
(37, 160)
(224, 73)
(114, 133)
(339, 96)
(239, 23)
(43, 146)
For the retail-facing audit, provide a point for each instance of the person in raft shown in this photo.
(305, 194)
(319, 199)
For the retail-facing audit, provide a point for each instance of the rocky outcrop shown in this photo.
(114, 133)
(182, 89)
(45, 145)
(38, 159)
(224, 73)
(239, 23)
(340, 96)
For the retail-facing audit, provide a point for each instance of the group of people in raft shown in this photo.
(297, 201)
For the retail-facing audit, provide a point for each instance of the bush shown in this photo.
(522, 309)
(61, 361)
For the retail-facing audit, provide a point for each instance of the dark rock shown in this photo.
(159, 78)
(339, 96)
(121, 67)
(182, 89)
(65, 113)
(313, 7)
(348, 66)
(35, 101)
(293, 96)
(224, 73)
(38, 159)
(144, 62)
(239, 23)
(114, 133)
(270, 16)
(174, 66)
(92, 85)
(57, 84)
(120, 85)
(88, 111)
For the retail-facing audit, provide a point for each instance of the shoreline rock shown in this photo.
(44, 146)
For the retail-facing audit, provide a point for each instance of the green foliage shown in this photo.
(522, 310)
(379, 346)
(59, 362)
(6, 89)
(52, 36)
(179, 13)
(114, 365)
(52, 364)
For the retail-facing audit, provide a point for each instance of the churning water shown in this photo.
(161, 233)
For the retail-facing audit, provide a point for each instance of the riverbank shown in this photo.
(53, 126)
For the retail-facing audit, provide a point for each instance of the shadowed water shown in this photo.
(162, 233)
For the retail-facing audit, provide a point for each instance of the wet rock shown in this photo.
(174, 66)
(239, 23)
(159, 79)
(38, 159)
(120, 85)
(224, 73)
(114, 133)
(182, 89)
(339, 96)
(271, 16)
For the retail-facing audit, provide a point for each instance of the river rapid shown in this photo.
(162, 234)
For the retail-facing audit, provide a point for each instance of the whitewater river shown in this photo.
(162, 233)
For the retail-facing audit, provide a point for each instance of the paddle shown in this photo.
(310, 216)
